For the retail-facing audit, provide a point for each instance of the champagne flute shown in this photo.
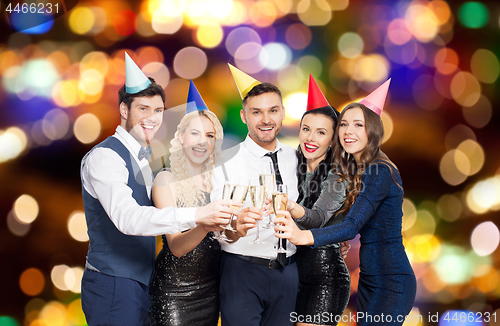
(280, 201)
(227, 193)
(267, 180)
(239, 194)
(258, 196)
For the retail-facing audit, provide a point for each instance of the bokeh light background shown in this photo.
(58, 97)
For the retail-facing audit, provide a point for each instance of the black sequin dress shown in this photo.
(324, 279)
(185, 290)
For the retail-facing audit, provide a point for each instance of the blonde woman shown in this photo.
(185, 288)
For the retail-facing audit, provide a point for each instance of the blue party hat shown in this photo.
(194, 101)
(135, 80)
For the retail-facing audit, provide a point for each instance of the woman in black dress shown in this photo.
(185, 288)
(324, 280)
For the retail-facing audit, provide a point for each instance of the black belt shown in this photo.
(271, 263)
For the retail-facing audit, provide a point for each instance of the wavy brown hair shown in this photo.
(344, 163)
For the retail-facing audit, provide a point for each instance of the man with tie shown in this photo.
(121, 221)
(257, 286)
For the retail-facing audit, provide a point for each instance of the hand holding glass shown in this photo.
(280, 201)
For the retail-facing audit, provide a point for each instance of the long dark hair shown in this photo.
(321, 172)
(347, 167)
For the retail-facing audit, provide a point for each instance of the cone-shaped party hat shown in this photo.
(194, 101)
(315, 97)
(244, 82)
(376, 99)
(135, 80)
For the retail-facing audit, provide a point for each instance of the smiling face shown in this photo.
(143, 119)
(316, 134)
(352, 132)
(198, 140)
(263, 115)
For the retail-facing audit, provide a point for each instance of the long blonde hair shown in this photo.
(187, 193)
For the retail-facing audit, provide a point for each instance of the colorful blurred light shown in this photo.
(478, 115)
(446, 61)
(295, 106)
(87, 128)
(209, 35)
(423, 229)
(372, 69)
(263, 13)
(15, 227)
(457, 135)
(190, 62)
(453, 265)
(275, 56)
(54, 314)
(465, 89)
(247, 58)
(484, 195)
(485, 238)
(32, 281)
(388, 126)
(474, 153)
(81, 20)
(291, 78)
(350, 45)
(425, 94)
(77, 226)
(239, 36)
(310, 64)
(8, 321)
(167, 20)
(473, 14)
(450, 173)
(314, 12)
(409, 214)
(449, 208)
(421, 22)
(55, 124)
(57, 276)
(26, 209)
(158, 71)
(124, 22)
(13, 142)
(485, 66)
(298, 36)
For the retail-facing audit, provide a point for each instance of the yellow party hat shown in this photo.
(244, 82)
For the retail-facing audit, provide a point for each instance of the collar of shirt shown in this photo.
(258, 151)
(132, 145)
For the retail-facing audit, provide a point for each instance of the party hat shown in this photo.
(376, 99)
(244, 82)
(315, 98)
(135, 80)
(194, 101)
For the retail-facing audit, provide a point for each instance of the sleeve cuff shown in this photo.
(185, 216)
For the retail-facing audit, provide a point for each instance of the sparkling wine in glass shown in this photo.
(239, 194)
(258, 196)
(280, 201)
(267, 180)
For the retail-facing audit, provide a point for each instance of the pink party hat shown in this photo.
(376, 99)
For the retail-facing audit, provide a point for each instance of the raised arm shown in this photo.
(377, 183)
(164, 195)
(104, 176)
(329, 202)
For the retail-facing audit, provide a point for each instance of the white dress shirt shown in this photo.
(242, 162)
(105, 176)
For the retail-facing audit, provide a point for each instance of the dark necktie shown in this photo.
(145, 153)
(274, 157)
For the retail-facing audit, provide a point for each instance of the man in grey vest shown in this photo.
(121, 221)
